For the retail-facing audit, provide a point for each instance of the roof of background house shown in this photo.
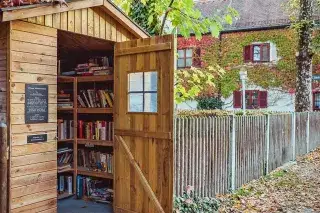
(252, 13)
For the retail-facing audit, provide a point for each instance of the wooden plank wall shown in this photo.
(250, 148)
(33, 59)
(202, 155)
(154, 155)
(3, 70)
(93, 22)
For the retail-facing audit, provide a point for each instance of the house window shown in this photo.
(255, 99)
(189, 57)
(257, 53)
(316, 101)
(142, 94)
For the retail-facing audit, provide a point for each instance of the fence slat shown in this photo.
(216, 154)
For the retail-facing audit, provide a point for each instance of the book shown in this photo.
(79, 187)
(95, 130)
(69, 184)
(61, 183)
(65, 129)
(91, 98)
(92, 160)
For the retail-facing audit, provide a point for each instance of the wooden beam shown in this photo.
(143, 49)
(141, 176)
(3, 169)
(124, 20)
(48, 10)
(156, 135)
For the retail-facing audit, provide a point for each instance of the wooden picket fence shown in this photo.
(219, 154)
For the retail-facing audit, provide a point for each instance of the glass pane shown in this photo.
(188, 62)
(317, 100)
(189, 53)
(255, 102)
(265, 53)
(136, 82)
(136, 102)
(181, 63)
(150, 102)
(180, 53)
(150, 81)
(256, 53)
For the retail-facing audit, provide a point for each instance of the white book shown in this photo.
(69, 181)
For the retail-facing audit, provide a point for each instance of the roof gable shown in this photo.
(107, 12)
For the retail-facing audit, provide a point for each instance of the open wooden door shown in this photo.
(143, 115)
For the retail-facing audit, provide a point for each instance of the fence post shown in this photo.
(293, 136)
(267, 144)
(233, 152)
(3, 168)
(308, 132)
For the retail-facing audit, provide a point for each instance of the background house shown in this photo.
(259, 40)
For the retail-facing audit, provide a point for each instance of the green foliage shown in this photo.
(208, 103)
(281, 74)
(189, 83)
(180, 14)
(144, 15)
(191, 203)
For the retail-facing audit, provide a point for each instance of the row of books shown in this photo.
(65, 158)
(64, 100)
(95, 98)
(95, 130)
(95, 160)
(93, 189)
(65, 129)
(64, 184)
(95, 66)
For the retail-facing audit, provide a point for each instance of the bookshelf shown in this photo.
(77, 112)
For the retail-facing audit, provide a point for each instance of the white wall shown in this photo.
(278, 100)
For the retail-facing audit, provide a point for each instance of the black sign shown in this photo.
(37, 138)
(36, 106)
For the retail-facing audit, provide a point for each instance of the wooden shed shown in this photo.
(85, 81)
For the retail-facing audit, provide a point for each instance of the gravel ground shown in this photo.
(295, 189)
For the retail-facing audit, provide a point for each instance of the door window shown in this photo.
(143, 92)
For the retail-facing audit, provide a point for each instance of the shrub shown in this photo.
(191, 203)
(208, 103)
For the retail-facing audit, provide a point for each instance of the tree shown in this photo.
(145, 16)
(304, 26)
(156, 16)
(180, 14)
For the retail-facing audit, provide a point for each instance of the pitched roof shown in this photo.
(15, 12)
(252, 13)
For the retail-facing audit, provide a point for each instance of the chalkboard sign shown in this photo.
(37, 138)
(36, 106)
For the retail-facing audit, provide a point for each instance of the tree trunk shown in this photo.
(303, 101)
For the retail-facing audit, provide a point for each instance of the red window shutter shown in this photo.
(263, 99)
(247, 53)
(237, 99)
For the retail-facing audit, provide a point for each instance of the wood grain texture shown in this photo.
(98, 22)
(34, 198)
(37, 207)
(153, 155)
(33, 169)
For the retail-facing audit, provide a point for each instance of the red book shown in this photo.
(80, 128)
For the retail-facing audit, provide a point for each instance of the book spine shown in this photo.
(61, 183)
(69, 181)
